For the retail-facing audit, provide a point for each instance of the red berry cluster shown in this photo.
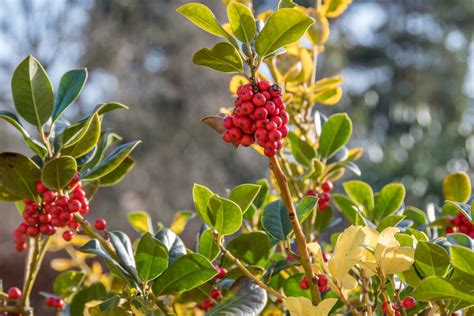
(324, 197)
(460, 224)
(52, 211)
(208, 303)
(322, 283)
(259, 115)
(57, 303)
(408, 303)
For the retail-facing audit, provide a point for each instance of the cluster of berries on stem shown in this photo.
(259, 116)
(323, 285)
(215, 294)
(324, 197)
(53, 210)
(460, 224)
(408, 303)
(55, 302)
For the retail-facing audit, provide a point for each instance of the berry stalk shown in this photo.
(295, 224)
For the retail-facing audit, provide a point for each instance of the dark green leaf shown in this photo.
(58, 172)
(301, 150)
(70, 87)
(335, 134)
(222, 57)
(123, 249)
(173, 243)
(32, 92)
(90, 135)
(348, 208)
(252, 248)
(92, 293)
(262, 194)
(284, 27)
(418, 216)
(106, 141)
(151, 257)
(18, 175)
(187, 272)
(323, 219)
(462, 260)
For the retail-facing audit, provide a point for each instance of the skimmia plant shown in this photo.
(262, 248)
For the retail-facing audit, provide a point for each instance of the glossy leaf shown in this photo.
(123, 249)
(462, 260)
(112, 161)
(222, 57)
(33, 144)
(242, 22)
(418, 216)
(244, 298)
(68, 283)
(436, 288)
(151, 257)
(301, 150)
(431, 259)
(92, 293)
(32, 92)
(244, 195)
(390, 221)
(186, 273)
(284, 27)
(207, 246)
(465, 209)
(348, 208)
(18, 175)
(140, 221)
(225, 216)
(70, 86)
(361, 193)
(389, 200)
(89, 139)
(457, 187)
(173, 243)
(58, 172)
(335, 134)
(252, 248)
(117, 175)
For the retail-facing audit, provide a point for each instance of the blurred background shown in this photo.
(409, 89)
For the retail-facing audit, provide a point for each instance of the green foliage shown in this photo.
(173, 243)
(18, 176)
(222, 57)
(457, 187)
(140, 221)
(68, 283)
(206, 245)
(244, 195)
(252, 248)
(58, 172)
(242, 22)
(70, 86)
(335, 134)
(151, 258)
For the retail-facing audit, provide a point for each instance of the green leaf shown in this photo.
(33, 144)
(140, 221)
(222, 57)
(390, 221)
(5, 195)
(186, 273)
(462, 259)
(361, 193)
(284, 27)
(335, 134)
(117, 175)
(244, 195)
(88, 140)
(431, 259)
(291, 286)
(203, 17)
(457, 187)
(301, 150)
(242, 22)
(416, 215)
(436, 288)
(32, 92)
(67, 283)
(92, 293)
(18, 175)
(252, 248)
(201, 196)
(286, 4)
(206, 245)
(225, 215)
(305, 207)
(123, 249)
(58, 172)
(112, 161)
(350, 210)
(323, 219)
(244, 298)
(70, 86)
(460, 239)
(262, 193)
(106, 141)
(151, 257)
(389, 200)
(174, 244)
(466, 209)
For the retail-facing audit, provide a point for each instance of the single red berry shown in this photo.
(221, 272)
(77, 193)
(56, 222)
(261, 133)
(74, 205)
(247, 95)
(40, 188)
(65, 217)
(228, 122)
(449, 230)
(324, 197)
(22, 228)
(327, 186)
(247, 140)
(323, 206)
(62, 201)
(67, 235)
(274, 135)
(323, 283)
(304, 283)
(261, 113)
(44, 218)
(259, 99)
(310, 192)
(32, 231)
(245, 122)
(75, 180)
(216, 294)
(56, 210)
(284, 117)
(206, 305)
(50, 301)
(284, 131)
(271, 145)
(247, 108)
(49, 196)
(84, 210)
(58, 303)
(409, 302)
(267, 95)
(14, 293)
(278, 121)
(270, 106)
(270, 126)
(269, 152)
(227, 137)
(31, 208)
(263, 85)
(20, 246)
(236, 134)
(100, 224)
(261, 123)
(32, 220)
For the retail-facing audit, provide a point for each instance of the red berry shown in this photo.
(323, 283)
(327, 186)
(56, 222)
(323, 206)
(31, 208)
(74, 180)
(385, 307)
(44, 218)
(284, 131)
(263, 85)
(65, 217)
(40, 188)
(304, 283)
(324, 197)
(284, 117)
(14, 293)
(310, 193)
(20, 246)
(259, 99)
(206, 305)
(32, 220)
(261, 113)
(50, 301)
(49, 196)
(100, 224)
(270, 126)
(245, 122)
(216, 294)
(32, 231)
(261, 133)
(247, 140)
(267, 95)
(269, 152)
(74, 205)
(274, 135)
(56, 210)
(227, 137)
(409, 302)
(67, 235)
(449, 230)
(22, 228)
(221, 272)
(84, 210)
(247, 95)
(228, 122)
(58, 303)
(77, 194)
(261, 123)
(247, 108)
(46, 229)
(236, 134)
(278, 121)
(270, 106)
